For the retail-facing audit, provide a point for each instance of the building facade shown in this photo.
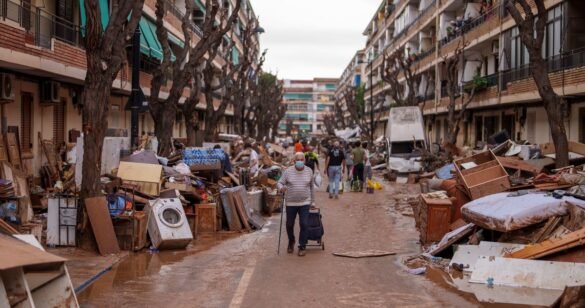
(307, 102)
(494, 60)
(43, 67)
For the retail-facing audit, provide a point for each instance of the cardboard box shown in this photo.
(482, 175)
(146, 176)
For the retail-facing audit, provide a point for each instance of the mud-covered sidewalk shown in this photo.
(244, 271)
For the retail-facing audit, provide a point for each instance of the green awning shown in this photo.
(149, 44)
(104, 11)
(175, 40)
(200, 5)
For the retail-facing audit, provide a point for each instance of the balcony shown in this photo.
(41, 26)
(464, 26)
(569, 60)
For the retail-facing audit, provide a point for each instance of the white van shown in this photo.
(405, 133)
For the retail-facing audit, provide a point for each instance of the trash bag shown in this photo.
(374, 185)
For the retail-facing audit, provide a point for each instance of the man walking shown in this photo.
(358, 164)
(335, 163)
(312, 159)
(297, 184)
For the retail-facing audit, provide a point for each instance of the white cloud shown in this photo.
(312, 38)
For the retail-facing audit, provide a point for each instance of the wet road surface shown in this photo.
(244, 271)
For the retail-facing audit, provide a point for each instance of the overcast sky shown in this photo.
(312, 38)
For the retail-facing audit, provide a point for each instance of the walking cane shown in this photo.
(282, 210)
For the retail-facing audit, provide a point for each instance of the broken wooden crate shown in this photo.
(482, 175)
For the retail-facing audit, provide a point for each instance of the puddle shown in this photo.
(141, 265)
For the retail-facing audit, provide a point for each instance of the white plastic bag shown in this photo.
(318, 180)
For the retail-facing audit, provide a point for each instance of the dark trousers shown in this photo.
(358, 172)
(291, 215)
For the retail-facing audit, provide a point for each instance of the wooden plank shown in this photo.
(512, 163)
(577, 147)
(13, 151)
(21, 190)
(237, 200)
(139, 172)
(7, 228)
(101, 224)
(3, 149)
(551, 246)
(451, 238)
(230, 212)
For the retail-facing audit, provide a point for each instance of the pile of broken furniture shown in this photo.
(145, 196)
(512, 225)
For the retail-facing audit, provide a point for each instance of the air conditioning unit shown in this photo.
(50, 91)
(7, 87)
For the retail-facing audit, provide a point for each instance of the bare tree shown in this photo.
(183, 69)
(106, 53)
(215, 79)
(330, 123)
(356, 107)
(400, 63)
(267, 107)
(456, 112)
(532, 31)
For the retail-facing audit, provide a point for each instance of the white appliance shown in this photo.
(61, 221)
(167, 224)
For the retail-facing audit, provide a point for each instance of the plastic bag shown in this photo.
(318, 180)
(374, 185)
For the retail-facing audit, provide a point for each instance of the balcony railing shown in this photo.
(467, 25)
(41, 26)
(175, 11)
(568, 60)
(424, 54)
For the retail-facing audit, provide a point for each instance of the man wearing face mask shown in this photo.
(297, 184)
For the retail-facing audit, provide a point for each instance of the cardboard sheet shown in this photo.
(502, 213)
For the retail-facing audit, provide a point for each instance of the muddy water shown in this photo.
(138, 268)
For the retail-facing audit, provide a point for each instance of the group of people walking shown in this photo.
(354, 159)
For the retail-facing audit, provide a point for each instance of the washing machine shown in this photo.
(167, 224)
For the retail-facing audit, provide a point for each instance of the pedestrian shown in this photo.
(368, 164)
(335, 163)
(358, 164)
(253, 158)
(297, 185)
(226, 164)
(312, 159)
(298, 146)
(349, 159)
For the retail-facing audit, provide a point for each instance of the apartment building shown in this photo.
(43, 67)
(352, 76)
(430, 31)
(307, 102)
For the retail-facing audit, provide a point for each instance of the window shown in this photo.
(553, 32)
(26, 122)
(509, 124)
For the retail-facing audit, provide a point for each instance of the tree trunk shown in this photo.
(164, 122)
(95, 123)
(192, 126)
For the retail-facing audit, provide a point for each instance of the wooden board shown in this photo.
(240, 209)
(551, 246)
(516, 164)
(51, 155)
(206, 218)
(456, 235)
(21, 190)
(231, 214)
(13, 148)
(3, 149)
(146, 176)
(101, 224)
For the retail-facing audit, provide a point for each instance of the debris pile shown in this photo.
(147, 201)
(511, 223)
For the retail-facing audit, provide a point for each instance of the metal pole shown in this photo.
(282, 210)
(372, 126)
(136, 99)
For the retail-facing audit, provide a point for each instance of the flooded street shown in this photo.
(245, 271)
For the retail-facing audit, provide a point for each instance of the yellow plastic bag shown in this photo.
(374, 185)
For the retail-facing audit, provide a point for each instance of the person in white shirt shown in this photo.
(368, 164)
(253, 158)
